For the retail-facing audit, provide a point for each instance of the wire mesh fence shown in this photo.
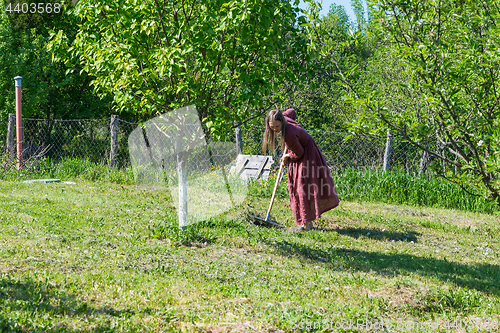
(92, 139)
(344, 150)
(88, 139)
(68, 138)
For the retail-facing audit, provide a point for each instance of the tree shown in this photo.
(321, 100)
(359, 11)
(449, 52)
(225, 57)
(48, 92)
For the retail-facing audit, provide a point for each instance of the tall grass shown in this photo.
(398, 187)
(70, 169)
(394, 187)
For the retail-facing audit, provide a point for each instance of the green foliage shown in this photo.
(442, 301)
(337, 45)
(224, 57)
(394, 187)
(264, 188)
(193, 233)
(444, 75)
(75, 169)
(359, 11)
(48, 91)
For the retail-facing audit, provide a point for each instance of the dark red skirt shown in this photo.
(310, 185)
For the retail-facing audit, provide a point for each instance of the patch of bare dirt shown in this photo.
(395, 296)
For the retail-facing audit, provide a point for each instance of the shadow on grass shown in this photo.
(32, 306)
(375, 234)
(481, 277)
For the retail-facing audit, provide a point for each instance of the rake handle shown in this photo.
(275, 187)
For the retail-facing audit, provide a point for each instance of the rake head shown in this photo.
(268, 222)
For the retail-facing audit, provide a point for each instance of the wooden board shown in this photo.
(46, 181)
(253, 166)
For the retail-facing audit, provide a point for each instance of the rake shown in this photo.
(268, 215)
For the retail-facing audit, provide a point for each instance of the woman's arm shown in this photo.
(295, 149)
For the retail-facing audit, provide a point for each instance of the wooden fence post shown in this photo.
(114, 140)
(388, 150)
(424, 160)
(239, 141)
(10, 135)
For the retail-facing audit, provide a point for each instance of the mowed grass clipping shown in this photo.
(107, 257)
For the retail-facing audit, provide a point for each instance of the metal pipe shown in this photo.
(19, 123)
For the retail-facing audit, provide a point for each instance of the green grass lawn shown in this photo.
(104, 257)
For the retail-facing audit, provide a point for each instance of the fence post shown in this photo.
(239, 141)
(424, 160)
(10, 135)
(114, 138)
(19, 123)
(388, 149)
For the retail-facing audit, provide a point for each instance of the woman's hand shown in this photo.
(284, 158)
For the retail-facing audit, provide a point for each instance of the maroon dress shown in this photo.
(310, 183)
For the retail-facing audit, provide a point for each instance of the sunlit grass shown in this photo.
(395, 186)
(100, 257)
